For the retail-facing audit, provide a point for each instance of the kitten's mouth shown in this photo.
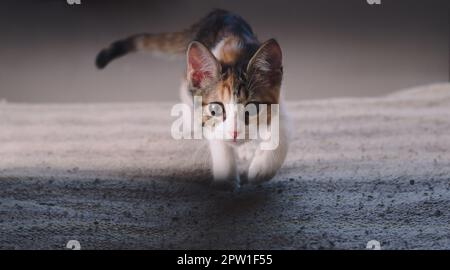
(236, 141)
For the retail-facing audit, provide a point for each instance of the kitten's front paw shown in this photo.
(258, 173)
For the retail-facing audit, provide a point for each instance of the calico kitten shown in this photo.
(226, 64)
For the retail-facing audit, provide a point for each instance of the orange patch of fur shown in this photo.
(230, 51)
(225, 90)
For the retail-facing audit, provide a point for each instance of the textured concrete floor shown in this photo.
(110, 177)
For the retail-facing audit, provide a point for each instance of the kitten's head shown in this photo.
(239, 79)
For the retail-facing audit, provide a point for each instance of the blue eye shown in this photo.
(215, 109)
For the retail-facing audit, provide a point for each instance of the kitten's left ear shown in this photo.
(266, 64)
(202, 67)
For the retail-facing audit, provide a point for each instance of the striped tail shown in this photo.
(170, 43)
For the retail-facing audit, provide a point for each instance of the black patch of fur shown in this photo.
(209, 31)
(117, 49)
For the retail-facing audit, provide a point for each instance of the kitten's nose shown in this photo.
(234, 134)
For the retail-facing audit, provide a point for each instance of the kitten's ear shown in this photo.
(266, 64)
(202, 67)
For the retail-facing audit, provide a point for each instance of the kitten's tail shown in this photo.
(170, 43)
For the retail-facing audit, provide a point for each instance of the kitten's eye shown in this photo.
(215, 109)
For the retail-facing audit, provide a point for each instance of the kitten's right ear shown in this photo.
(202, 67)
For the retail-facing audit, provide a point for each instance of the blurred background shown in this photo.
(331, 48)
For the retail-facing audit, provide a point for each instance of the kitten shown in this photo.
(226, 64)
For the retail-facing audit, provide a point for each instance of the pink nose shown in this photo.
(234, 134)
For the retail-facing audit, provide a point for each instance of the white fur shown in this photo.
(224, 165)
(248, 159)
(216, 51)
(234, 45)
